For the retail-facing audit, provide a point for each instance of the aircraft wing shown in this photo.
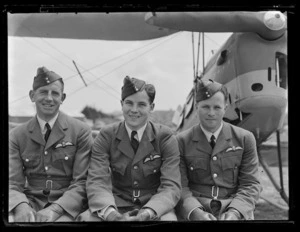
(268, 24)
(94, 26)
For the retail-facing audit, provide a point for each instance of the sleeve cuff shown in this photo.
(152, 213)
(189, 214)
(103, 213)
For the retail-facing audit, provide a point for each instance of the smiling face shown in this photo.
(211, 111)
(48, 99)
(136, 109)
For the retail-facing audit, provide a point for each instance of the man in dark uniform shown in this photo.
(134, 171)
(219, 162)
(48, 158)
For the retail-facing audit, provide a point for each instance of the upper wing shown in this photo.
(268, 24)
(102, 26)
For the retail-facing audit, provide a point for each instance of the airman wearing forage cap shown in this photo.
(131, 86)
(219, 162)
(42, 156)
(207, 88)
(134, 169)
(44, 77)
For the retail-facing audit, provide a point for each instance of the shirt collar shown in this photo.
(50, 122)
(208, 134)
(140, 131)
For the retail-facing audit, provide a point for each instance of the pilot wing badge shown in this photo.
(64, 144)
(152, 157)
(233, 148)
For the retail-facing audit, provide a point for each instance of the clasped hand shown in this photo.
(231, 214)
(200, 215)
(49, 214)
(24, 213)
(134, 215)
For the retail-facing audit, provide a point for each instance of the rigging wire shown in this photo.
(175, 35)
(84, 69)
(203, 53)
(99, 78)
(193, 50)
(197, 70)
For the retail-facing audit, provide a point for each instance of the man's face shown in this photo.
(211, 111)
(48, 99)
(136, 109)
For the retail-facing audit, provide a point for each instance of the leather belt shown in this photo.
(47, 184)
(213, 191)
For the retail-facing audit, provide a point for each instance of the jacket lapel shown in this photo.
(58, 129)
(145, 146)
(224, 139)
(202, 143)
(35, 131)
(124, 146)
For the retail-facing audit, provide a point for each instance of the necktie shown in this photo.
(47, 132)
(134, 141)
(212, 141)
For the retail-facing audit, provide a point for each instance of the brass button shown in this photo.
(215, 175)
(27, 160)
(46, 152)
(46, 168)
(215, 158)
(135, 167)
(66, 158)
(191, 168)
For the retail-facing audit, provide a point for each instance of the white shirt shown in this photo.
(208, 134)
(139, 134)
(43, 123)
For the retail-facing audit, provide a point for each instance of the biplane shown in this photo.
(252, 63)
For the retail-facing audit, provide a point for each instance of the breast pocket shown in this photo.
(63, 159)
(152, 166)
(197, 168)
(31, 161)
(230, 167)
(119, 168)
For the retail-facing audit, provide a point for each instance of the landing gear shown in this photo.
(279, 187)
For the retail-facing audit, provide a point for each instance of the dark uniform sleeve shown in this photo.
(169, 191)
(16, 175)
(99, 185)
(249, 187)
(187, 202)
(74, 198)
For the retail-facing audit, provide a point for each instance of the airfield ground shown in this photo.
(271, 206)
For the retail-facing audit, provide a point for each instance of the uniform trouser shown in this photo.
(88, 216)
(62, 218)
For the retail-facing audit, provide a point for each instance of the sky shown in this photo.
(166, 62)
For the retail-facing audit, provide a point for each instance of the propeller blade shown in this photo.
(102, 26)
(268, 24)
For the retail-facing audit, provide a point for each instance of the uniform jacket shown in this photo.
(121, 178)
(232, 166)
(64, 160)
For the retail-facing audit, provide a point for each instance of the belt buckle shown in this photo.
(49, 182)
(46, 191)
(213, 192)
(135, 194)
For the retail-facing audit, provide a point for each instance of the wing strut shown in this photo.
(79, 73)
